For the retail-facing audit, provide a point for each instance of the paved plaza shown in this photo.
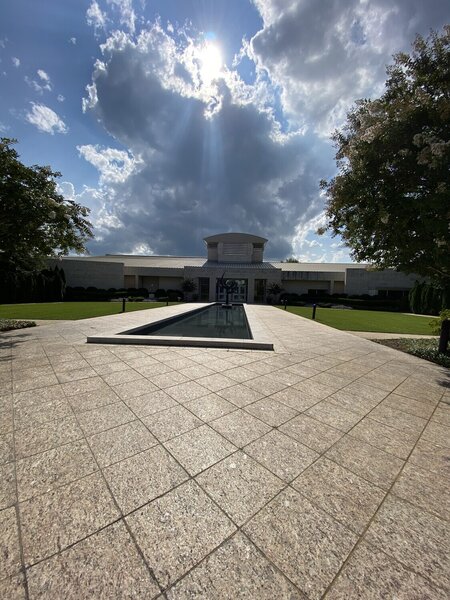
(318, 470)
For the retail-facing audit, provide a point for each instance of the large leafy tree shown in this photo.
(390, 200)
(35, 220)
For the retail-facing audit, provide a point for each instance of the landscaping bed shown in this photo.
(11, 324)
(422, 348)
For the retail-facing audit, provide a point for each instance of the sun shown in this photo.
(211, 61)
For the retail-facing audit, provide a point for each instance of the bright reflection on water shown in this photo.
(213, 322)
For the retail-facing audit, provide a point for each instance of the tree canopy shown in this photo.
(35, 220)
(390, 200)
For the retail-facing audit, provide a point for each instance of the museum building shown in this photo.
(237, 256)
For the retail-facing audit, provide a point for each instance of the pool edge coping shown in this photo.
(258, 341)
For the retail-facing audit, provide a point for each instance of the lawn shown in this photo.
(367, 320)
(71, 310)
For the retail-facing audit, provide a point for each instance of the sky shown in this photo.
(173, 120)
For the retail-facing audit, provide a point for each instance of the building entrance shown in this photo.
(240, 295)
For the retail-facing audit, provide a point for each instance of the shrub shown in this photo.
(160, 293)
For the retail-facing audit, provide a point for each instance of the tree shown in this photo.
(291, 259)
(390, 200)
(35, 220)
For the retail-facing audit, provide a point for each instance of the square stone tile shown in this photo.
(190, 390)
(424, 489)
(216, 382)
(7, 485)
(151, 403)
(121, 442)
(285, 376)
(33, 440)
(304, 542)
(176, 531)
(120, 377)
(143, 477)
(398, 443)
(29, 414)
(48, 470)
(110, 367)
(95, 399)
(419, 389)
(235, 570)
(413, 407)
(282, 455)
(417, 539)
(437, 434)
(9, 543)
(34, 383)
(196, 371)
(6, 421)
(348, 498)
(358, 398)
(6, 448)
(105, 565)
(271, 412)
(311, 433)
(295, 399)
(265, 385)
(372, 464)
(240, 395)
(13, 588)
(133, 389)
(53, 521)
(106, 417)
(171, 422)
(83, 386)
(210, 407)
(239, 374)
(199, 448)
(167, 380)
(240, 486)
(442, 414)
(398, 419)
(432, 457)
(75, 374)
(240, 428)
(335, 416)
(372, 574)
(333, 381)
(314, 389)
(150, 370)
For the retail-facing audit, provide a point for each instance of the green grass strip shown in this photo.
(367, 320)
(71, 310)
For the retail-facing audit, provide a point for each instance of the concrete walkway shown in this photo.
(319, 470)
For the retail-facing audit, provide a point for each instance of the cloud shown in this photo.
(127, 15)
(115, 166)
(15, 61)
(60, 98)
(73, 40)
(199, 157)
(95, 17)
(43, 84)
(324, 55)
(45, 119)
(202, 169)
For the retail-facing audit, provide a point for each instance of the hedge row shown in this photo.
(363, 302)
(44, 286)
(93, 294)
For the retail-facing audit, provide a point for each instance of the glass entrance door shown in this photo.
(239, 295)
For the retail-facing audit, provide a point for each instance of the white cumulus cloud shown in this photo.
(45, 119)
(95, 17)
(114, 166)
(15, 61)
